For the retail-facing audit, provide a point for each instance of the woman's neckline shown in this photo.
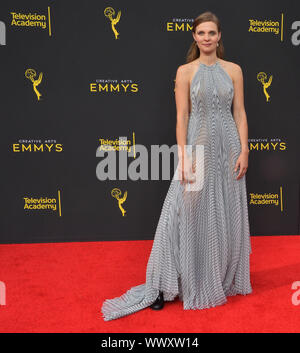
(209, 66)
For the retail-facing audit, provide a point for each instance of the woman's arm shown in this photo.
(239, 113)
(182, 93)
(182, 108)
(240, 118)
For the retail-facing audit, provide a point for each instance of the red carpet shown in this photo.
(59, 287)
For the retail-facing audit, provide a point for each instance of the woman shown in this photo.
(202, 242)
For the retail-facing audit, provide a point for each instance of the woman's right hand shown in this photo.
(186, 170)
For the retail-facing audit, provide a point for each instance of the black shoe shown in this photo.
(159, 302)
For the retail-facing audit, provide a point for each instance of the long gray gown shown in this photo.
(201, 247)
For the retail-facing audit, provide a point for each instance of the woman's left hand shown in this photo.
(242, 162)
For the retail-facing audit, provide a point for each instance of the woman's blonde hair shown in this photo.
(194, 52)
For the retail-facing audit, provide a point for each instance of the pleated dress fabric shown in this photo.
(201, 246)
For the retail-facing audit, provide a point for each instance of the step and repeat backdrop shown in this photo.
(80, 78)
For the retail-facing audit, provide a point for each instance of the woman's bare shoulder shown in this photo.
(186, 71)
(233, 69)
(229, 64)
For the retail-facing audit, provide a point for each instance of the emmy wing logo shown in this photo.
(31, 74)
(109, 12)
(262, 77)
(116, 193)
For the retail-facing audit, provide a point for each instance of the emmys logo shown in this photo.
(31, 74)
(267, 144)
(116, 193)
(2, 293)
(2, 33)
(295, 39)
(34, 147)
(109, 12)
(296, 295)
(262, 78)
(113, 86)
(180, 25)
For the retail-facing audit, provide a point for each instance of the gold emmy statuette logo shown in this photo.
(30, 74)
(116, 193)
(262, 77)
(109, 12)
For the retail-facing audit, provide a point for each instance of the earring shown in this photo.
(217, 44)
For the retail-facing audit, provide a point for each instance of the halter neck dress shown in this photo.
(201, 246)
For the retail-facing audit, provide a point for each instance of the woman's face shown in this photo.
(206, 35)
